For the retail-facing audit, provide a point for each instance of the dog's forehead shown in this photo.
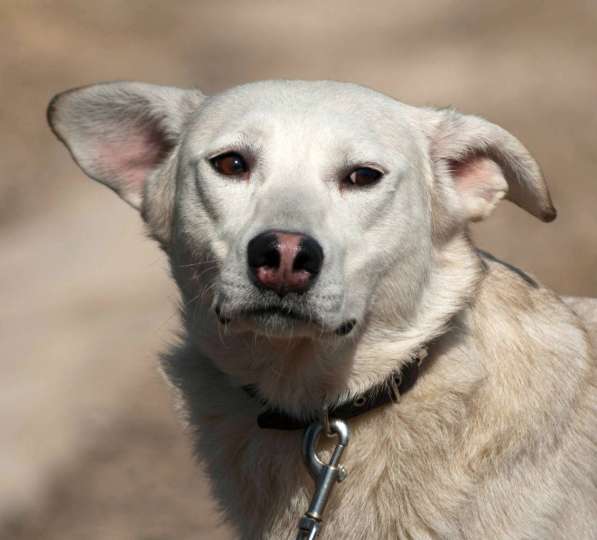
(296, 95)
(326, 109)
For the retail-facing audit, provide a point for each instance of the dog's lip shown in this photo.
(226, 316)
(283, 311)
(287, 312)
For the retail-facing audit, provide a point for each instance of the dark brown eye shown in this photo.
(230, 164)
(363, 176)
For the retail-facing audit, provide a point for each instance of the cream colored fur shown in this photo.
(497, 439)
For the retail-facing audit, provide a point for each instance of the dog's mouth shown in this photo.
(267, 315)
(281, 319)
(267, 312)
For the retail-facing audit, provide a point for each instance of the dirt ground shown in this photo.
(91, 447)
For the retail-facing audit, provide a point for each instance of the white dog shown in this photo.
(318, 232)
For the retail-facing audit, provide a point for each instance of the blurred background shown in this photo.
(90, 443)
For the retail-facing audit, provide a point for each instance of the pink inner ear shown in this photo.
(481, 185)
(477, 175)
(130, 159)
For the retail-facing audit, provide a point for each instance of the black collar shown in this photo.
(389, 391)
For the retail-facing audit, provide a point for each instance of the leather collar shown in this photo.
(389, 391)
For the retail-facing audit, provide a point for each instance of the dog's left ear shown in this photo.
(485, 163)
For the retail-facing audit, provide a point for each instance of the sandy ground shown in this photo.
(91, 447)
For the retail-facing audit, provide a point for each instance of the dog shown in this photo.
(318, 233)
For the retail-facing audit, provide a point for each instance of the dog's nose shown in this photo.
(284, 262)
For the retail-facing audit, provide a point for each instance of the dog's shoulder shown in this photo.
(534, 348)
(509, 291)
(513, 307)
(586, 310)
(490, 262)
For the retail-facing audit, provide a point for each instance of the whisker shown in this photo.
(198, 263)
(208, 289)
(198, 277)
(219, 330)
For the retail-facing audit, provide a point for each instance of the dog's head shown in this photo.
(288, 209)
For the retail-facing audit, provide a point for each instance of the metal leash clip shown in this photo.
(325, 475)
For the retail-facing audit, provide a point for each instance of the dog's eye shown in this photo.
(230, 164)
(363, 176)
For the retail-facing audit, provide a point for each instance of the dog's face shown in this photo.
(288, 209)
(302, 196)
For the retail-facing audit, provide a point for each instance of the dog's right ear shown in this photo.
(120, 132)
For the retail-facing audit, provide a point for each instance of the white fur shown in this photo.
(496, 439)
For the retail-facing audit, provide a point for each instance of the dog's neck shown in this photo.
(297, 376)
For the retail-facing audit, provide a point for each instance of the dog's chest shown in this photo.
(397, 484)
